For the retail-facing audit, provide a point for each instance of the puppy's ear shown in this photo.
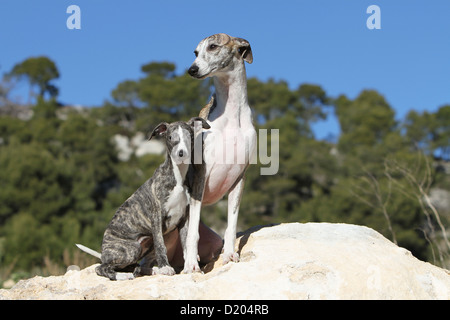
(205, 124)
(159, 130)
(244, 49)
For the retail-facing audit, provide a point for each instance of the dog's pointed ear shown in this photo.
(159, 130)
(205, 124)
(244, 49)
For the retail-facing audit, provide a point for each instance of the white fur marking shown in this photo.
(178, 198)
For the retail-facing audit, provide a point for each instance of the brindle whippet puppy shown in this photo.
(151, 215)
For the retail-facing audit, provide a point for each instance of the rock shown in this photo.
(122, 143)
(440, 198)
(73, 268)
(287, 261)
(143, 146)
(9, 283)
(139, 145)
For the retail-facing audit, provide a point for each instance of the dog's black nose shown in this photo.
(193, 70)
(180, 154)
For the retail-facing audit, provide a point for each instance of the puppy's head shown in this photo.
(179, 138)
(219, 53)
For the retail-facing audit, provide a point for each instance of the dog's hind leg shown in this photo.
(117, 256)
(106, 270)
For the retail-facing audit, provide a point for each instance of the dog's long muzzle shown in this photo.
(193, 71)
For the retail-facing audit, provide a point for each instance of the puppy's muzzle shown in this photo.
(180, 156)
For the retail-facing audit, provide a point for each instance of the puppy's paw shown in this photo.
(124, 276)
(230, 256)
(166, 270)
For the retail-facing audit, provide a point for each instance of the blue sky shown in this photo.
(323, 42)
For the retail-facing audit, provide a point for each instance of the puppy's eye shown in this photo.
(212, 46)
(170, 138)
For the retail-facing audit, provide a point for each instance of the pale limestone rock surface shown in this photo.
(286, 261)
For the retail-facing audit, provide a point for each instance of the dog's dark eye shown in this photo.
(212, 46)
(170, 138)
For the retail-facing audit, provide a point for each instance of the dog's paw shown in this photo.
(191, 268)
(166, 270)
(124, 276)
(231, 256)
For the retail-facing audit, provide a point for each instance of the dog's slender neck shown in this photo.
(231, 94)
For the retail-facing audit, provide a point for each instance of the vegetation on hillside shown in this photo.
(61, 180)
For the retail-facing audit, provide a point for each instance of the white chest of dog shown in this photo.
(178, 198)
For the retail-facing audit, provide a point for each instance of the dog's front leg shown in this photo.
(190, 249)
(234, 201)
(160, 252)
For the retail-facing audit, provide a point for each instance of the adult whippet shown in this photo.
(221, 57)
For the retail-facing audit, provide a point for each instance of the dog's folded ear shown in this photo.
(159, 130)
(244, 49)
(205, 124)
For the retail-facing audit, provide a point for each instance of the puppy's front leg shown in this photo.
(160, 251)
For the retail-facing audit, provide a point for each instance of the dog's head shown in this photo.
(219, 53)
(179, 138)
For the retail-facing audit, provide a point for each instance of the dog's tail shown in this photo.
(90, 251)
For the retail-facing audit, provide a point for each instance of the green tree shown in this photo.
(127, 94)
(442, 132)
(366, 191)
(305, 164)
(32, 180)
(311, 101)
(25, 241)
(270, 99)
(366, 121)
(91, 159)
(161, 95)
(14, 129)
(39, 71)
(430, 132)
